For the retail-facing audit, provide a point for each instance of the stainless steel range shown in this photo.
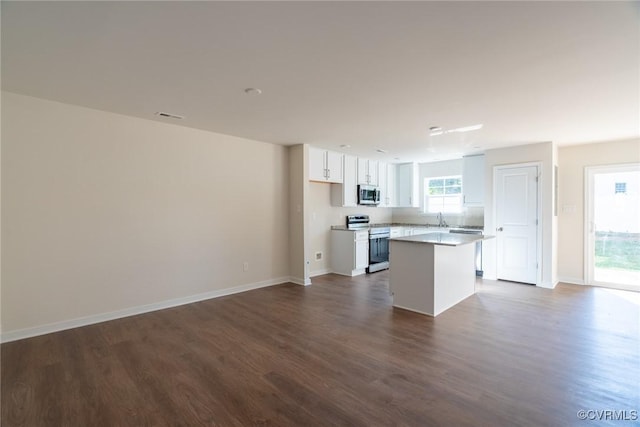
(378, 248)
(378, 241)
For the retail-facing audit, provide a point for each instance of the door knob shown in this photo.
(499, 229)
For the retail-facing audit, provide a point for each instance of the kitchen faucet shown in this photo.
(441, 221)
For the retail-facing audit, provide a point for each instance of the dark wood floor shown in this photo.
(337, 353)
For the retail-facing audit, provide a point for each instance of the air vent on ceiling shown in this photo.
(168, 115)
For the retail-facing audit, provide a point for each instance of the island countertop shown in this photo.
(446, 239)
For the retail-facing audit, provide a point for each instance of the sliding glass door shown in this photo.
(612, 226)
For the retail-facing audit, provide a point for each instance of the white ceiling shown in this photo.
(368, 74)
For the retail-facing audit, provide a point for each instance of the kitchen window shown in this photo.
(443, 194)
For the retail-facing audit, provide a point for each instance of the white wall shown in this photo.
(0, 213)
(103, 213)
(469, 216)
(322, 216)
(543, 153)
(298, 189)
(572, 163)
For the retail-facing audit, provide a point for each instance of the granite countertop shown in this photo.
(398, 224)
(446, 239)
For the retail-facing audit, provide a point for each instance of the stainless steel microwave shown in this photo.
(368, 195)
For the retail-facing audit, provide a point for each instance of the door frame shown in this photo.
(589, 243)
(538, 166)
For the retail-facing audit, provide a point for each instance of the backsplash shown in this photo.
(469, 216)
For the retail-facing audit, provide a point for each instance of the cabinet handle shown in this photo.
(328, 173)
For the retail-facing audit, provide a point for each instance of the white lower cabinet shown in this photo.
(395, 232)
(349, 252)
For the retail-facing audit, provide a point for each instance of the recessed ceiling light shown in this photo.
(345, 146)
(252, 91)
(168, 115)
(381, 151)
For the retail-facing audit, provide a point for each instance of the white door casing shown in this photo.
(590, 225)
(517, 223)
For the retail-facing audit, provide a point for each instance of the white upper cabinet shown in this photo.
(324, 165)
(392, 187)
(367, 172)
(473, 180)
(317, 168)
(407, 185)
(346, 194)
(334, 166)
(382, 184)
(387, 184)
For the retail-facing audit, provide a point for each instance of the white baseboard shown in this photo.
(547, 285)
(353, 273)
(571, 280)
(132, 311)
(300, 281)
(320, 272)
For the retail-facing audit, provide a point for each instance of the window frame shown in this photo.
(443, 196)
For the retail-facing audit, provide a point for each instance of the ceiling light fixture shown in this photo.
(381, 151)
(437, 130)
(252, 91)
(168, 115)
(466, 128)
(345, 146)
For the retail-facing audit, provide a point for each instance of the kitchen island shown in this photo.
(430, 273)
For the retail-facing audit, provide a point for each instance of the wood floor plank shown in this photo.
(337, 353)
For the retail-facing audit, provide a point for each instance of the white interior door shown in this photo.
(517, 223)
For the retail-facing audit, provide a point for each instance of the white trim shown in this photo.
(413, 310)
(320, 272)
(618, 286)
(539, 234)
(356, 272)
(571, 280)
(300, 281)
(547, 285)
(132, 311)
(589, 242)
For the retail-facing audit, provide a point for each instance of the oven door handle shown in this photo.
(379, 236)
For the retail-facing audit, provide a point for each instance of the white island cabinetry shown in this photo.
(349, 251)
(432, 272)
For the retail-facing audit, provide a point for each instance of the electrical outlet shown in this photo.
(245, 266)
(318, 256)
